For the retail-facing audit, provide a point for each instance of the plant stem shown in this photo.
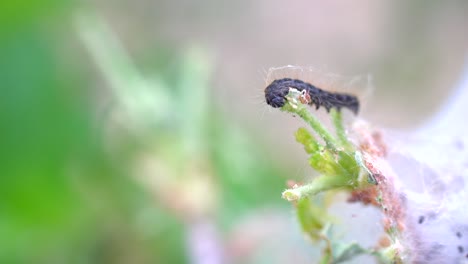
(340, 131)
(304, 113)
(320, 184)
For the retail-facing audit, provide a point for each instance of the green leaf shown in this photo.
(343, 251)
(312, 218)
(305, 138)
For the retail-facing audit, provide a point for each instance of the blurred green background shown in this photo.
(134, 131)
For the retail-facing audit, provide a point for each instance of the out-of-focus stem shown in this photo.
(340, 130)
(320, 184)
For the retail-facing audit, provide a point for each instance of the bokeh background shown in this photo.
(135, 131)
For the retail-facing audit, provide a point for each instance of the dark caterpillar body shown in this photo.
(275, 95)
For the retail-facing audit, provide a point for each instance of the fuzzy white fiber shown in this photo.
(432, 165)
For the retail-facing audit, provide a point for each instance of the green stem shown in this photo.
(340, 130)
(302, 111)
(320, 184)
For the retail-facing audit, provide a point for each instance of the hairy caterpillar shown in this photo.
(276, 92)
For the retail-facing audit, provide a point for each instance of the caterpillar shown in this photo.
(275, 95)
